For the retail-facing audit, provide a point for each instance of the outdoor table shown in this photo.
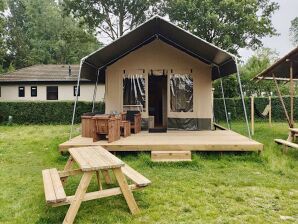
(90, 160)
(293, 134)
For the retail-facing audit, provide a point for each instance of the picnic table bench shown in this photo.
(286, 144)
(91, 160)
(290, 142)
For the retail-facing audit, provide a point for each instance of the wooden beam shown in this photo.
(252, 115)
(270, 112)
(96, 195)
(67, 173)
(78, 197)
(281, 100)
(292, 92)
(127, 193)
(277, 78)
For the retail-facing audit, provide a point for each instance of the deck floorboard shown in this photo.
(219, 140)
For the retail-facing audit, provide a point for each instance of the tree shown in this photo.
(111, 17)
(228, 24)
(257, 63)
(230, 86)
(39, 32)
(294, 31)
(3, 48)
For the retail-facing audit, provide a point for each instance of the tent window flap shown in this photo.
(181, 92)
(134, 96)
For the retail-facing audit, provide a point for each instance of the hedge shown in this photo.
(61, 112)
(45, 112)
(234, 105)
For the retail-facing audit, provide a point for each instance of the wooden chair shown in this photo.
(135, 119)
(106, 126)
(125, 127)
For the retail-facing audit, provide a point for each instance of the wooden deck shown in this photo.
(219, 140)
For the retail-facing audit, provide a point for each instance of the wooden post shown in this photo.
(281, 100)
(252, 115)
(292, 94)
(79, 195)
(130, 200)
(270, 112)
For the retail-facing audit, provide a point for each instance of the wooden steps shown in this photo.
(135, 176)
(53, 188)
(170, 156)
(286, 143)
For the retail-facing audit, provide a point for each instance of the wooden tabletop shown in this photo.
(94, 158)
(295, 130)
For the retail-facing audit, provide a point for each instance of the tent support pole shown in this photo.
(95, 92)
(281, 100)
(224, 102)
(292, 94)
(252, 115)
(76, 100)
(242, 97)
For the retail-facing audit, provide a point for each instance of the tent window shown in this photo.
(52, 92)
(134, 92)
(181, 90)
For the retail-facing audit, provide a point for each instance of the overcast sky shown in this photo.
(281, 21)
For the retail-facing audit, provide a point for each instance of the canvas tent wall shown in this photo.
(159, 56)
(220, 63)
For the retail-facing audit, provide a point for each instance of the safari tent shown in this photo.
(166, 73)
(163, 71)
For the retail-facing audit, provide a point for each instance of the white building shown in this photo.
(47, 82)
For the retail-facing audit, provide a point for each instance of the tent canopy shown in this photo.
(222, 62)
(281, 69)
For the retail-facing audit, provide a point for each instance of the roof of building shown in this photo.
(43, 73)
(281, 68)
(222, 62)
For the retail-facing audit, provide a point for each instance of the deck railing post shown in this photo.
(76, 100)
(242, 97)
(95, 91)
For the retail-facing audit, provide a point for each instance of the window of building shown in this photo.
(21, 91)
(75, 90)
(52, 92)
(181, 91)
(134, 92)
(33, 91)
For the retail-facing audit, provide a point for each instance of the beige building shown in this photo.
(47, 82)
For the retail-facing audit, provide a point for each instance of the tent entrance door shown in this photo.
(157, 100)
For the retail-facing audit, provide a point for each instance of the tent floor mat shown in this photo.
(157, 130)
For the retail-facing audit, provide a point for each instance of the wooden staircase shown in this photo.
(170, 156)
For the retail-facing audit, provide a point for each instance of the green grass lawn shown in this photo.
(213, 188)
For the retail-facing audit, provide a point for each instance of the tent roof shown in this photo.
(281, 68)
(158, 28)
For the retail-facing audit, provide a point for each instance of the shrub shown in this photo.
(45, 112)
(234, 105)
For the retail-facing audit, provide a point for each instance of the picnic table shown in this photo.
(293, 134)
(91, 160)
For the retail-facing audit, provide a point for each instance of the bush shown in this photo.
(234, 105)
(45, 112)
